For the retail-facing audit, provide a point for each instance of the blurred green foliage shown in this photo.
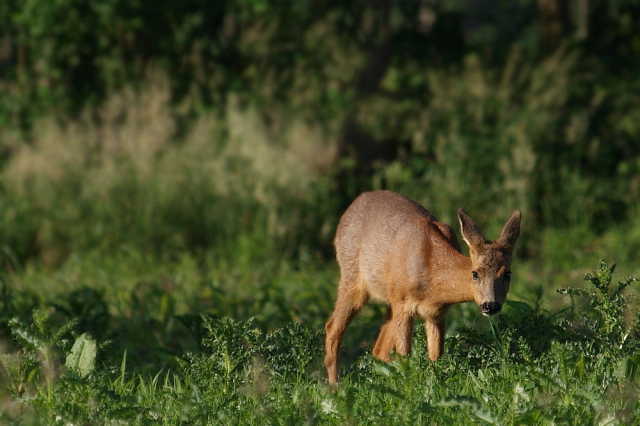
(72, 52)
(538, 99)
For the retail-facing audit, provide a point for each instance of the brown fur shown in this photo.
(390, 249)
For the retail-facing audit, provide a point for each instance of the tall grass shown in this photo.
(122, 175)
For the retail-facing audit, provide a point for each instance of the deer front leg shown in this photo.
(404, 333)
(396, 333)
(434, 327)
(386, 340)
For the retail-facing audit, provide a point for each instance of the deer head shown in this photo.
(491, 261)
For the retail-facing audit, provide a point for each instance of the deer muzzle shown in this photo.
(491, 308)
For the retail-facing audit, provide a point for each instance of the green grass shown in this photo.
(525, 366)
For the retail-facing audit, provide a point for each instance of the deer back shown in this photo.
(389, 244)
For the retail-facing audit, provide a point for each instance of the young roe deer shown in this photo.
(392, 250)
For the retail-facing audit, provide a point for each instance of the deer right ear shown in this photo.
(470, 232)
(511, 229)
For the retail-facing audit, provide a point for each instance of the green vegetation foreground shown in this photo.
(527, 367)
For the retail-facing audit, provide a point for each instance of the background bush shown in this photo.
(533, 105)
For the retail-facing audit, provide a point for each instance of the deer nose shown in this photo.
(491, 308)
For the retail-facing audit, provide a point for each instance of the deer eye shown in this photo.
(507, 275)
(475, 275)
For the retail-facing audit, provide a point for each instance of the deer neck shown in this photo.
(452, 279)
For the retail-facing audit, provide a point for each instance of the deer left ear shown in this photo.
(470, 232)
(511, 229)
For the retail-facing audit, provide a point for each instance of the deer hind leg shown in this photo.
(434, 328)
(350, 301)
(396, 333)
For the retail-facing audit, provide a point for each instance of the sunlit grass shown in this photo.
(525, 366)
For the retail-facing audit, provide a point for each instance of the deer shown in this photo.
(392, 250)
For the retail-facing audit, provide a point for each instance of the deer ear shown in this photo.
(511, 229)
(470, 232)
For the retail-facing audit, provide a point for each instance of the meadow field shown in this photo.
(170, 188)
